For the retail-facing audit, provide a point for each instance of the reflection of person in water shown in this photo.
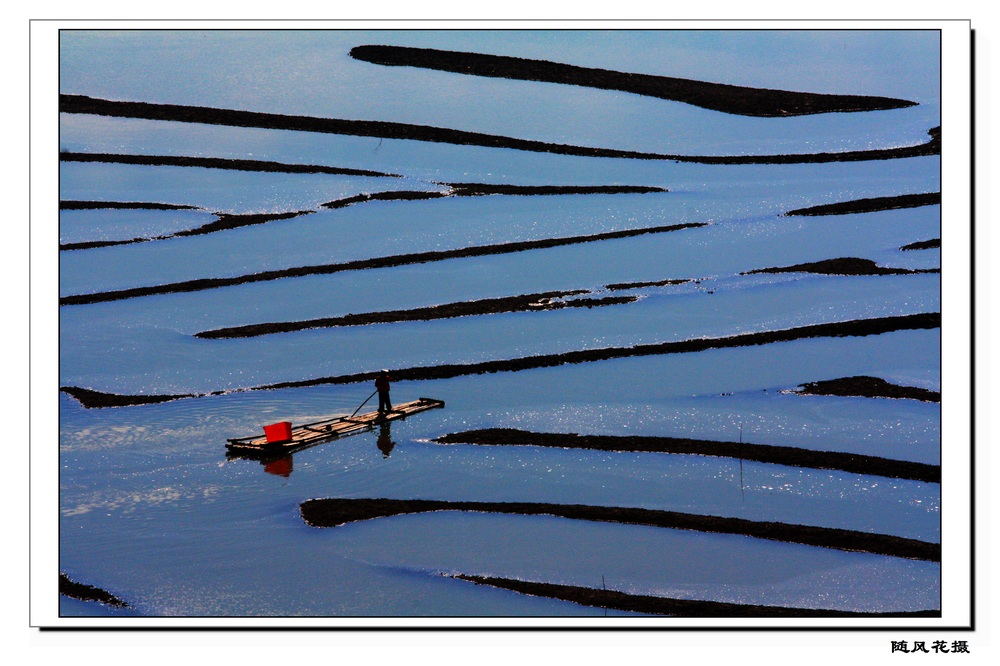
(279, 466)
(385, 443)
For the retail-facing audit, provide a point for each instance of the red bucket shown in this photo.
(278, 432)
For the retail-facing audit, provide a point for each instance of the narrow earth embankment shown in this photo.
(365, 264)
(222, 222)
(868, 387)
(740, 100)
(621, 286)
(121, 205)
(650, 605)
(843, 266)
(552, 300)
(90, 245)
(490, 189)
(859, 327)
(235, 221)
(74, 590)
(98, 399)
(392, 130)
(228, 164)
(227, 221)
(764, 453)
(487, 189)
(923, 245)
(332, 512)
(871, 205)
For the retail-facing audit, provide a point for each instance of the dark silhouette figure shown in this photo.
(385, 443)
(382, 386)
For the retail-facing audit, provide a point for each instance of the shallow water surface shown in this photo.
(153, 510)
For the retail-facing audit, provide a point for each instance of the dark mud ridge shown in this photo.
(488, 189)
(83, 592)
(619, 286)
(114, 205)
(650, 605)
(391, 130)
(872, 205)
(121, 205)
(237, 220)
(483, 189)
(333, 512)
(858, 327)
(383, 196)
(90, 245)
(780, 455)
(224, 221)
(227, 221)
(842, 266)
(923, 245)
(739, 100)
(868, 387)
(525, 303)
(89, 398)
(932, 147)
(219, 163)
(364, 264)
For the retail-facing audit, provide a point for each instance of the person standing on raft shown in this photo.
(382, 386)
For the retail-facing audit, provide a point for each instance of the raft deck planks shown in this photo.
(320, 431)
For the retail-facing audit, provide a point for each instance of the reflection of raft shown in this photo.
(300, 437)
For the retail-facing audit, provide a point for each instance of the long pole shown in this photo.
(742, 496)
(605, 588)
(363, 404)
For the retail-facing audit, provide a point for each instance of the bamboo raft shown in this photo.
(310, 434)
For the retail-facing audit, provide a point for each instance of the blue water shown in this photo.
(151, 509)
